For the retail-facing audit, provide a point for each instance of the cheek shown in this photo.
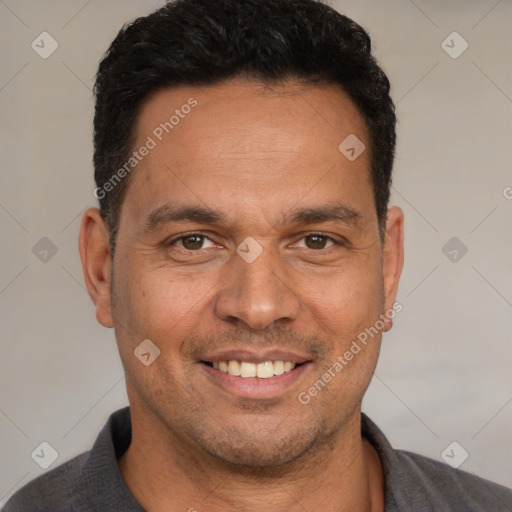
(162, 305)
(346, 308)
(347, 300)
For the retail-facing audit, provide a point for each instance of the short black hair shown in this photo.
(204, 42)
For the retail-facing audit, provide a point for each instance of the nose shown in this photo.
(257, 294)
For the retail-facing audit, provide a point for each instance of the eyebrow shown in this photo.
(328, 213)
(168, 214)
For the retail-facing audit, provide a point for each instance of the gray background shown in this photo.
(444, 373)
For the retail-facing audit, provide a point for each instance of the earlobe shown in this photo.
(95, 255)
(393, 260)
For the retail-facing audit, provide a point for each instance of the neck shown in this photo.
(165, 473)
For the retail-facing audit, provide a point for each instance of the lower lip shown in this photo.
(254, 387)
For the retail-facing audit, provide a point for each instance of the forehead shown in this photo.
(240, 142)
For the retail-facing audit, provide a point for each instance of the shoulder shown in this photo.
(434, 485)
(50, 492)
(415, 483)
(91, 481)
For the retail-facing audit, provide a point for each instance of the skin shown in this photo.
(253, 154)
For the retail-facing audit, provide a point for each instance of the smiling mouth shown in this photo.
(247, 370)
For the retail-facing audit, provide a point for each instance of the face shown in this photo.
(248, 242)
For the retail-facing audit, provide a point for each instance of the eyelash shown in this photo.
(173, 241)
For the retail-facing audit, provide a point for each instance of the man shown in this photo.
(242, 248)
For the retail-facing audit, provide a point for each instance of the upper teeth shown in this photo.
(261, 370)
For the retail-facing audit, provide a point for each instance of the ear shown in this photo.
(393, 259)
(95, 255)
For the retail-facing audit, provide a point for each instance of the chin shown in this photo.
(262, 452)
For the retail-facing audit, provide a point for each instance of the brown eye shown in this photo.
(192, 242)
(316, 241)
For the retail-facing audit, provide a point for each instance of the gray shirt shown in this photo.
(92, 481)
